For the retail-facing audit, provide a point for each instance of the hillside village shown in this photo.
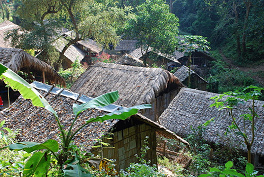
(181, 126)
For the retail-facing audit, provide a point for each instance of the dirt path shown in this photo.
(256, 72)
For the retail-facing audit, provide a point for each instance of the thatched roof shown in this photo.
(126, 45)
(91, 44)
(183, 73)
(18, 60)
(129, 60)
(190, 108)
(72, 53)
(4, 28)
(37, 124)
(136, 85)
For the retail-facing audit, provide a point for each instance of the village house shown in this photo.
(200, 61)
(37, 124)
(191, 108)
(136, 85)
(196, 81)
(72, 54)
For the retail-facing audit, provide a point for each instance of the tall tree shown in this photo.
(154, 27)
(85, 18)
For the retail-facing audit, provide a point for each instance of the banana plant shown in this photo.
(38, 164)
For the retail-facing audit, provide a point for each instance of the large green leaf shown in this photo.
(100, 101)
(120, 114)
(37, 165)
(50, 144)
(76, 171)
(25, 89)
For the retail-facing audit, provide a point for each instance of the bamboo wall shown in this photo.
(128, 142)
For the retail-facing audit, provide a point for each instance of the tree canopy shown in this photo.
(154, 26)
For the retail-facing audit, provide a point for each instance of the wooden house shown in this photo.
(37, 124)
(191, 108)
(201, 59)
(136, 85)
(154, 57)
(72, 54)
(196, 81)
(91, 49)
(85, 51)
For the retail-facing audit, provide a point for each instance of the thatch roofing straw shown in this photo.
(190, 108)
(127, 45)
(183, 73)
(91, 44)
(37, 124)
(136, 85)
(4, 28)
(17, 59)
(129, 60)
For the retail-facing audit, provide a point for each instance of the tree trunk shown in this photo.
(237, 31)
(244, 47)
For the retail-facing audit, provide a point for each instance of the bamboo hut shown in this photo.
(37, 124)
(191, 108)
(18, 60)
(196, 81)
(136, 85)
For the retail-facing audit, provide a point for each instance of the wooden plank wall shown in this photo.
(159, 105)
(128, 142)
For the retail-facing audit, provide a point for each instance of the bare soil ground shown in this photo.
(256, 72)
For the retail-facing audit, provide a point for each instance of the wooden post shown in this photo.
(43, 76)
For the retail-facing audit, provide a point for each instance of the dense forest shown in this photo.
(230, 31)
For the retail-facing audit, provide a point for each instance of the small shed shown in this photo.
(191, 108)
(136, 85)
(37, 124)
(197, 82)
(129, 60)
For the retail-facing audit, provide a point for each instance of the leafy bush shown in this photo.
(71, 74)
(174, 167)
(228, 171)
(11, 162)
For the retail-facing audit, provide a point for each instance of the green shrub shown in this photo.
(11, 162)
